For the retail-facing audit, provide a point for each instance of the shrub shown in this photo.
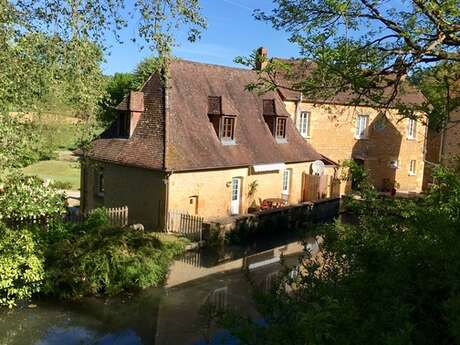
(21, 266)
(62, 185)
(26, 197)
(98, 259)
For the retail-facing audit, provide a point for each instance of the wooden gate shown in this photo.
(317, 187)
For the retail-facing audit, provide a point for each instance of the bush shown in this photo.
(23, 198)
(392, 277)
(62, 185)
(21, 266)
(98, 259)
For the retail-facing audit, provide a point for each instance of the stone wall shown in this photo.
(332, 133)
(211, 189)
(142, 190)
(451, 145)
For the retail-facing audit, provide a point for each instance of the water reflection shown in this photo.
(169, 315)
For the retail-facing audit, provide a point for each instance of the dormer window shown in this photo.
(124, 124)
(275, 122)
(223, 124)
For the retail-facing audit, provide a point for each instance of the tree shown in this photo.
(55, 47)
(440, 85)
(120, 84)
(391, 278)
(144, 69)
(117, 86)
(368, 47)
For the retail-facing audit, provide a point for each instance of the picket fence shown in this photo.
(118, 216)
(186, 225)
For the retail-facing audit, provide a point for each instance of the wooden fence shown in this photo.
(318, 187)
(186, 225)
(118, 216)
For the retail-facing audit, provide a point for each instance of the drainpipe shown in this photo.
(297, 110)
(166, 207)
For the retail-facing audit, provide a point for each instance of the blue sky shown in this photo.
(232, 31)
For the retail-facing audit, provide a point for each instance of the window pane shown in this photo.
(228, 127)
(281, 128)
(361, 126)
(304, 124)
(411, 128)
(286, 176)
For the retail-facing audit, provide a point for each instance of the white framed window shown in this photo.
(412, 167)
(411, 129)
(304, 124)
(286, 182)
(361, 126)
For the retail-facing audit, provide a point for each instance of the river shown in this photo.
(166, 315)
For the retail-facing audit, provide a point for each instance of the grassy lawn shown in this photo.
(58, 171)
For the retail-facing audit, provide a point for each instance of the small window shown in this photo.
(412, 167)
(411, 129)
(286, 182)
(304, 124)
(280, 128)
(228, 128)
(100, 182)
(124, 123)
(361, 126)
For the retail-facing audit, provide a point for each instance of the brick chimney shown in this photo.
(261, 58)
(136, 108)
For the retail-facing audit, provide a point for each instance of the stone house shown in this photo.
(391, 148)
(196, 142)
(450, 142)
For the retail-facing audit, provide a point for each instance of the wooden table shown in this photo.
(273, 203)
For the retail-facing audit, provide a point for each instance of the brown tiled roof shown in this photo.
(145, 148)
(302, 68)
(183, 138)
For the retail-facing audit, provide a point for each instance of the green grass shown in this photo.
(62, 171)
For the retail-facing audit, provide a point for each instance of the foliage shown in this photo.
(143, 71)
(23, 198)
(21, 266)
(359, 177)
(120, 84)
(20, 143)
(440, 85)
(117, 87)
(391, 278)
(52, 50)
(99, 259)
(367, 47)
